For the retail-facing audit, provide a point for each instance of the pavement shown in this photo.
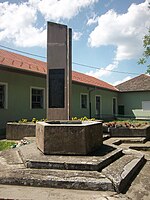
(24, 192)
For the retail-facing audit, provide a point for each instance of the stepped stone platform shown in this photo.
(108, 169)
(34, 158)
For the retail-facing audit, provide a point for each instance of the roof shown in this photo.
(20, 62)
(89, 80)
(139, 83)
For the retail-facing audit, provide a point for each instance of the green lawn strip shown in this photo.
(4, 145)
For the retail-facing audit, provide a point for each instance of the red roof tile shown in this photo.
(14, 60)
(89, 80)
(10, 59)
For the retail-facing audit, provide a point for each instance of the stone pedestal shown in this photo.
(69, 139)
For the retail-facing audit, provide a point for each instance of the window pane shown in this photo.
(83, 101)
(97, 106)
(114, 106)
(37, 98)
(2, 96)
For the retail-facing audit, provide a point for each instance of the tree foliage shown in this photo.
(146, 53)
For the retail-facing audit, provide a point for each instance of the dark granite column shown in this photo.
(59, 71)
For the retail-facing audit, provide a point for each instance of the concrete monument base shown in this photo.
(68, 137)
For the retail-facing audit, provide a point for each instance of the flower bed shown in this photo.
(127, 129)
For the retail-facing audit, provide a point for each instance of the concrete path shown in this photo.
(38, 193)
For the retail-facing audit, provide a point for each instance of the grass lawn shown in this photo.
(6, 144)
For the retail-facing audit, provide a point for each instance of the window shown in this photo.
(114, 106)
(3, 95)
(97, 106)
(84, 102)
(37, 95)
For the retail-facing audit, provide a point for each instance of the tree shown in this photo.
(146, 53)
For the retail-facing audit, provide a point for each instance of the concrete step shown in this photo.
(69, 179)
(114, 169)
(125, 140)
(122, 171)
(34, 158)
(140, 140)
(140, 148)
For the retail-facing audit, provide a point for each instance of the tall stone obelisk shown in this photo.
(59, 71)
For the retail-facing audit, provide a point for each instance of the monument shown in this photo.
(60, 135)
(67, 154)
(59, 71)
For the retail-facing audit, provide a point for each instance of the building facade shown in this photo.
(134, 97)
(23, 93)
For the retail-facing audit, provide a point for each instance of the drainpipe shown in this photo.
(90, 110)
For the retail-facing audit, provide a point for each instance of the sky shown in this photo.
(107, 34)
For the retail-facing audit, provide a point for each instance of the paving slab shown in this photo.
(10, 159)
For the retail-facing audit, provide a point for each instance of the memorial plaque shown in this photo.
(56, 88)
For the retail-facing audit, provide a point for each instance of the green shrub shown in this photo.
(23, 121)
(83, 118)
(34, 120)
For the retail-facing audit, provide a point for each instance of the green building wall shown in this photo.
(18, 96)
(19, 84)
(132, 102)
(106, 101)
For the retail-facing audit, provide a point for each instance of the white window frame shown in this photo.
(100, 104)
(6, 95)
(37, 88)
(86, 94)
(116, 105)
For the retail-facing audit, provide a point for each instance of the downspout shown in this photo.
(90, 110)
